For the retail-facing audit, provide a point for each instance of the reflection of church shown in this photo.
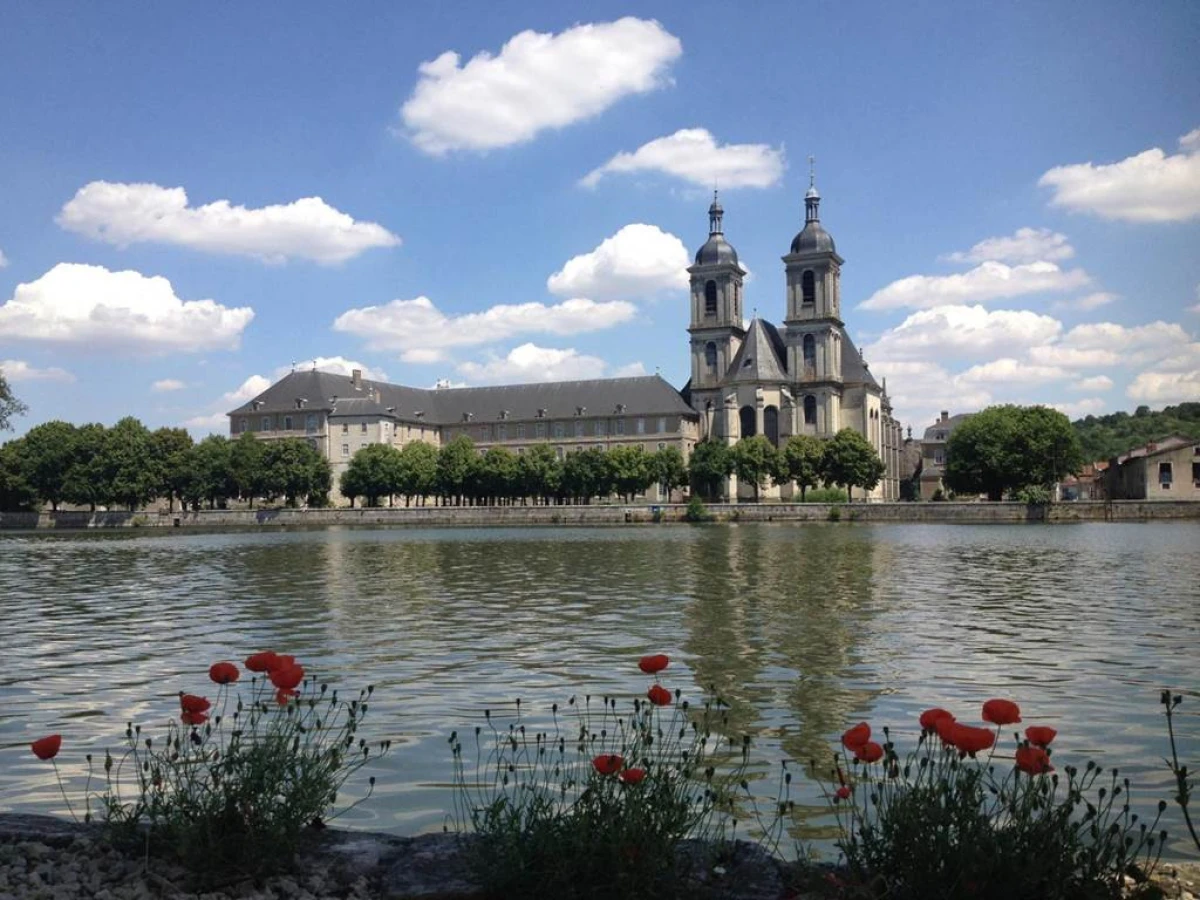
(804, 378)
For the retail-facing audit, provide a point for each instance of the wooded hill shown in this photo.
(1104, 437)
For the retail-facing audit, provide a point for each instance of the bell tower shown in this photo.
(716, 296)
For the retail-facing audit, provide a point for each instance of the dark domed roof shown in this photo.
(813, 239)
(716, 250)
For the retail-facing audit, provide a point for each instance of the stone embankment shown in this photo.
(613, 514)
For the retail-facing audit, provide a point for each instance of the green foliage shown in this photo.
(85, 483)
(246, 466)
(539, 472)
(825, 495)
(418, 470)
(46, 453)
(1005, 448)
(697, 511)
(670, 469)
(171, 447)
(710, 464)
(585, 474)
(1103, 437)
(631, 470)
(130, 470)
(1033, 495)
(292, 469)
(456, 461)
(800, 462)
(852, 462)
(9, 405)
(375, 471)
(755, 460)
(15, 492)
(209, 472)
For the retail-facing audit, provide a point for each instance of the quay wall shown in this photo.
(612, 514)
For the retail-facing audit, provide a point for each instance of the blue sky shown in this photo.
(195, 198)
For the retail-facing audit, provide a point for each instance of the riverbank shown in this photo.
(613, 514)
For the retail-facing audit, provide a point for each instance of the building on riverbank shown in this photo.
(748, 378)
(1162, 470)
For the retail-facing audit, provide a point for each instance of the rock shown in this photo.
(431, 867)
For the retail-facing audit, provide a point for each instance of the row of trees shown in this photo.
(1104, 437)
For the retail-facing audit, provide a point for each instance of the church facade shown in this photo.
(802, 377)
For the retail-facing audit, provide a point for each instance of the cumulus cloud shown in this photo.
(3, 260)
(1148, 187)
(308, 228)
(337, 365)
(422, 333)
(537, 81)
(1196, 308)
(956, 332)
(167, 384)
(1026, 245)
(987, 281)
(217, 420)
(1007, 370)
(638, 261)
(15, 370)
(920, 389)
(530, 362)
(213, 423)
(1173, 378)
(1087, 302)
(1093, 384)
(694, 155)
(78, 304)
(1076, 409)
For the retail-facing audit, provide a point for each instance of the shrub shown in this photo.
(835, 514)
(697, 511)
(825, 495)
(946, 823)
(1033, 494)
(597, 805)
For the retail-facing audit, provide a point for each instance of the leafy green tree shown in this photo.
(86, 482)
(1104, 437)
(851, 461)
(46, 454)
(291, 468)
(130, 470)
(375, 471)
(320, 479)
(585, 475)
(456, 462)
(710, 464)
(630, 470)
(418, 470)
(15, 492)
(209, 469)
(246, 466)
(498, 475)
(171, 445)
(1005, 448)
(755, 459)
(670, 470)
(9, 405)
(800, 461)
(539, 472)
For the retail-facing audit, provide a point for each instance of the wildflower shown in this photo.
(842, 793)
(287, 677)
(224, 673)
(970, 740)
(945, 730)
(855, 737)
(282, 661)
(632, 776)
(1033, 760)
(193, 718)
(190, 703)
(869, 752)
(608, 763)
(1041, 735)
(261, 662)
(652, 665)
(659, 695)
(931, 717)
(1001, 712)
(283, 695)
(47, 747)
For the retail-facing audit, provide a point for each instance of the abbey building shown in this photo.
(804, 376)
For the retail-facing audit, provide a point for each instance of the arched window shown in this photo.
(771, 425)
(710, 355)
(810, 410)
(746, 414)
(810, 354)
(710, 298)
(808, 286)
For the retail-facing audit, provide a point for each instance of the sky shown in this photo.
(196, 198)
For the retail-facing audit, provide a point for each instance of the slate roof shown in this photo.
(854, 367)
(761, 358)
(948, 426)
(1167, 444)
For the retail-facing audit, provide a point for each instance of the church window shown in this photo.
(746, 414)
(771, 425)
(710, 354)
(808, 286)
(710, 298)
(810, 410)
(810, 354)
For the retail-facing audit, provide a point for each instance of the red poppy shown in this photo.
(287, 677)
(930, 717)
(1001, 712)
(261, 662)
(857, 736)
(193, 718)
(193, 704)
(652, 665)
(842, 793)
(868, 752)
(47, 747)
(608, 763)
(970, 739)
(1033, 760)
(945, 730)
(224, 673)
(1041, 735)
(283, 695)
(632, 776)
(282, 661)
(659, 695)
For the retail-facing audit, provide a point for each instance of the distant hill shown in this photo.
(1104, 437)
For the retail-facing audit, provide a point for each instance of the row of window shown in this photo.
(579, 428)
(561, 451)
(280, 423)
(1166, 475)
(808, 349)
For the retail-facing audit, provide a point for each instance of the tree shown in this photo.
(539, 472)
(585, 475)
(851, 461)
(293, 469)
(630, 470)
(670, 470)
(246, 466)
(418, 470)
(85, 482)
(455, 462)
(375, 471)
(754, 461)
(800, 462)
(9, 405)
(711, 463)
(15, 492)
(46, 455)
(1006, 448)
(130, 471)
(171, 445)
(210, 475)
(497, 474)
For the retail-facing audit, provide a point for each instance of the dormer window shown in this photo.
(620, 409)
(541, 413)
(255, 405)
(467, 417)
(504, 414)
(580, 410)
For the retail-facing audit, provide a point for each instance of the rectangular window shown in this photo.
(1196, 473)
(245, 425)
(578, 428)
(520, 431)
(363, 428)
(600, 447)
(662, 446)
(641, 426)
(502, 432)
(601, 427)
(620, 426)
(559, 430)
(345, 428)
(662, 424)
(483, 433)
(287, 423)
(558, 451)
(310, 422)
(345, 449)
(266, 423)
(1164, 474)
(541, 429)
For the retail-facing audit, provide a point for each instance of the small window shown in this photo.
(502, 432)
(710, 298)
(520, 430)
(266, 423)
(1196, 473)
(1164, 474)
(662, 425)
(483, 433)
(710, 355)
(809, 350)
(601, 427)
(310, 422)
(810, 410)
(662, 446)
(808, 287)
(559, 430)
(558, 451)
(641, 426)
(364, 428)
(541, 429)
(747, 362)
(287, 423)
(345, 449)
(245, 424)
(620, 426)
(345, 428)
(748, 421)
(578, 428)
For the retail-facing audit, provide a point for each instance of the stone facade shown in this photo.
(1165, 470)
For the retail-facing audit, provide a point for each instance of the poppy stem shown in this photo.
(63, 789)
(1180, 777)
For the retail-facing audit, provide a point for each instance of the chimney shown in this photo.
(945, 415)
(356, 379)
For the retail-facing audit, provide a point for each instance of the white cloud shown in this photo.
(1076, 409)
(694, 155)
(1087, 302)
(919, 390)
(1148, 187)
(1093, 384)
(18, 370)
(1026, 245)
(421, 332)
(1165, 387)
(3, 260)
(216, 423)
(247, 390)
(308, 228)
(167, 384)
(337, 365)
(948, 332)
(632, 370)
(987, 281)
(530, 362)
(537, 81)
(638, 261)
(1196, 308)
(1106, 344)
(80, 304)
(1007, 370)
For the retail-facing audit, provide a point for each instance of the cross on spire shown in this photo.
(812, 171)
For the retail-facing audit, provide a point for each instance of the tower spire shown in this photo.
(715, 214)
(812, 199)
